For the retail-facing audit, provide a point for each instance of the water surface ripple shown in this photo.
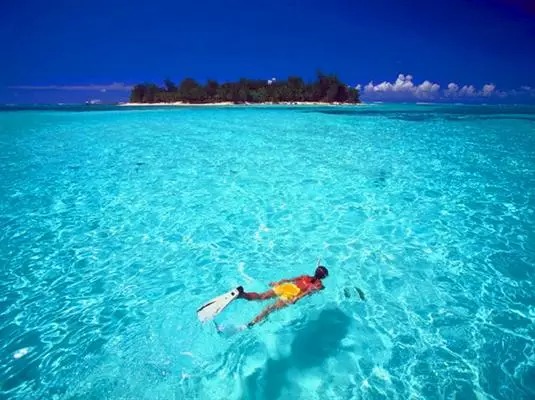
(117, 224)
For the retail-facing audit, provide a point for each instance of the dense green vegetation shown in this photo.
(326, 88)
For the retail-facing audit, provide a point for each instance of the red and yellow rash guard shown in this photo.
(308, 283)
(303, 284)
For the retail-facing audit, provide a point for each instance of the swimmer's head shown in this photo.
(321, 272)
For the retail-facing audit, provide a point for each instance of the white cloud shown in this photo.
(403, 87)
(384, 87)
(488, 89)
(115, 86)
(427, 89)
(452, 90)
(468, 91)
(527, 90)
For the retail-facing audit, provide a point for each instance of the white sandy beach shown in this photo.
(177, 104)
(229, 103)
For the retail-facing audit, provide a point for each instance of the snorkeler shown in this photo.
(288, 291)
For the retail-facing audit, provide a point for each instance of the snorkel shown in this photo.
(321, 272)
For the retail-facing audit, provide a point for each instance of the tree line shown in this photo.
(326, 88)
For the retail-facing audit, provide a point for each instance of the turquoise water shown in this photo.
(116, 224)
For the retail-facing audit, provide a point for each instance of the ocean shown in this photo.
(117, 223)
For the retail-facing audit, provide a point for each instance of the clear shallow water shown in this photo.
(117, 224)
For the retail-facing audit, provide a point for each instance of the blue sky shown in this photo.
(71, 51)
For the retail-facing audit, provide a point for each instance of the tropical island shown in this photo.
(325, 89)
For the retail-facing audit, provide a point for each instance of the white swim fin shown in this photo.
(213, 307)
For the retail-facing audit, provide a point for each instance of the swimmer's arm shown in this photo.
(301, 295)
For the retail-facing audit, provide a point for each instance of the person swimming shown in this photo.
(288, 292)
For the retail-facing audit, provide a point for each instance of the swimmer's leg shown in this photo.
(256, 296)
(269, 309)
